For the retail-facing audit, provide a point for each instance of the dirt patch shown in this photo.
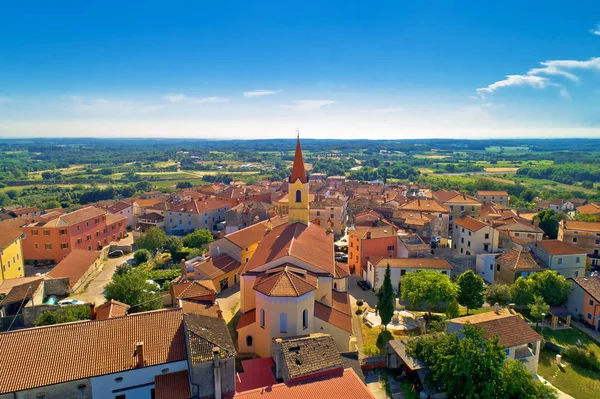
(501, 170)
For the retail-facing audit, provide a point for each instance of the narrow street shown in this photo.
(95, 290)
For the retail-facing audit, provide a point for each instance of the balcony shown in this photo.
(524, 355)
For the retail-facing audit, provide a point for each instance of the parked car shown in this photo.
(341, 257)
(363, 285)
(70, 302)
(115, 254)
(43, 263)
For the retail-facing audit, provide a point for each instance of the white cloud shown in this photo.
(392, 110)
(178, 98)
(259, 93)
(308, 105)
(596, 30)
(514, 80)
(554, 68)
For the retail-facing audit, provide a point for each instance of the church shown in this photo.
(292, 285)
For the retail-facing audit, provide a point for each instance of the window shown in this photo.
(468, 243)
(304, 319)
(491, 267)
(79, 241)
(402, 272)
(89, 237)
(577, 259)
(249, 340)
(62, 232)
(591, 302)
(462, 240)
(262, 318)
(36, 245)
(98, 233)
(487, 236)
(462, 207)
(497, 267)
(469, 233)
(121, 396)
(48, 246)
(87, 224)
(318, 213)
(89, 247)
(64, 245)
(283, 323)
(46, 232)
(472, 209)
(461, 251)
(574, 239)
(589, 316)
(34, 232)
(560, 261)
(463, 229)
(97, 220)
(390, 247)
(451, 207)
(576, 273)
(486, 247)
(298, 196)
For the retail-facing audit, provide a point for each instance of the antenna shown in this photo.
(298, 133)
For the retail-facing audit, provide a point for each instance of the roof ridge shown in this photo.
(289, 276)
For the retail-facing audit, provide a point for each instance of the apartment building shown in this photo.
(185, 217)
(498, 197)
(330, 212)
(370, 243)
(584, 235)
(565, 259)
(472, 237)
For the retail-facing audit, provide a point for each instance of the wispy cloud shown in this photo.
(178, 98)
(84, 104)
(596, 30)
(260, 93)
(391, 110)
(308, 105)
(562, 68)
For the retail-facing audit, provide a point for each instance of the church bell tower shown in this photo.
(298, 189)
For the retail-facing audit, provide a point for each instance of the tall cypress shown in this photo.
(386, 298)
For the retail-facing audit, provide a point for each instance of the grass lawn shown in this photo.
(463, 311)
(577, 381)
(570, 337)
(370, 335)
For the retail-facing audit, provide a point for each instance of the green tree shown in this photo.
(173, 245)
(521, 292)
(470, 290)
(64, 314)
(548, 220)
(198, 239)
(143, 186)
(4, 199)
(584, 217)
(498, 294)
(386, 298)
(551, 286)
(152, 240)
(183, 184)
(452, 310)
(12, 193)
(516, 383)
(141, 255)
(538, 309)
(133, 289)
(427, 288)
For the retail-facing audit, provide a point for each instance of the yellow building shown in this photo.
(11, 254)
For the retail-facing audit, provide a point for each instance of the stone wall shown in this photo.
(203, 383)
(461, 263)
(57, 287)
(30, 314)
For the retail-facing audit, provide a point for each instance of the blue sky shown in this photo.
(334, 69)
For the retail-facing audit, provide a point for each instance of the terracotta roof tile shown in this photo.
(333, 316)
(190, 289)
(341, 270)
(347, 385)
(511, 329)
(172, 385)
(425, 206)
(298, 170)
(590, 209)
(215, 266)
(518, 260)
(582, 226)
(496, 193)
(376, 232)
(21, 293)
(78, 216)
(75, 265)
(555, 247)
(470, 224)
(417, 263)
(285, 281)
(252, 234)
(118, 207)
(203, 308)
(111, 309)
(247, 319)
(205, 333)
(312, 244)
(8, 235)
(59, 353)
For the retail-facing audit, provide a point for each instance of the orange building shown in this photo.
(584, 300)
(88, 228)
(370, 243)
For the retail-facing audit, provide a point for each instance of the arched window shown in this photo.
(262, 318)
(305, 319)
(283, 323)
(298, 196)
(249, 340)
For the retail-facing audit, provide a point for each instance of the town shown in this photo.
(312, 281)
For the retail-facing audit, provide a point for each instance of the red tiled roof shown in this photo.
(488, 193)
(75, 265)
(341, 270)
(425, 206)
(21, 293)
(49, 355)
(172, 385)
(118, 207)
(285, 281)
(111, 309)
(590, 209)
(347, 386)
(204, 308)
(470, 224)
(247, 319)
(376, 232)
(258, 373)
(298, 170)
(518, 260)
(8, 235)
(252, 234)
(409, 263)
(555, 247)
(312, 244)
(591, 284)
(333, 316)
(215, 266)
(190, 289)
(78, 216)
(582, 226)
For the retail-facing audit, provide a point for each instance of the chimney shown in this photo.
(93, 310)
(368, 235)
(496, 308)
(220, 314)
(183, 270)
(139, 352)
(217, 372)
(278, 358)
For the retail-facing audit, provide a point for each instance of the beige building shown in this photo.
(460, 204)
(584, 235)
(330, 213)
(498, 197)
(563, 258)
(513, 264)
(400, 266)
(472, 237)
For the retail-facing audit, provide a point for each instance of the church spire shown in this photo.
(298, 170)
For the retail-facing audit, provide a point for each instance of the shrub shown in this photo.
(383, 338)
(141, 256)
(63, 315)
(371, 350)
(359, 302)
(359, 312)
(194, 254)
(452, 310)
(582, 357)
(122, 269)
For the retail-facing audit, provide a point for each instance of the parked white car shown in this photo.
(69, 302)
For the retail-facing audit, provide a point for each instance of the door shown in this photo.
(224, 284)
